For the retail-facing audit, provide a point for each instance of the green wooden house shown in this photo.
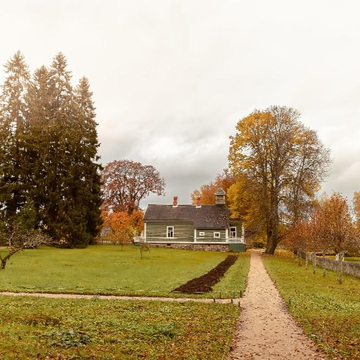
(193, 224)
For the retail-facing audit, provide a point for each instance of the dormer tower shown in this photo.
(220, 196)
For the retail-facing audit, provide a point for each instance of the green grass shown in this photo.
(37, 328)
(328, 312)
(350, 259)
(104, 269)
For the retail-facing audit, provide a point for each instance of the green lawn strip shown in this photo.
(103, 329)
(328, 312)
(104, 269)
(234, 281)
(350, 259)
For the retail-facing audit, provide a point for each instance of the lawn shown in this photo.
(328, 312)
(40, 328)
(350, 259)
(104, 269)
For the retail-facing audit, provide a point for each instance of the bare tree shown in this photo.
(19, 240)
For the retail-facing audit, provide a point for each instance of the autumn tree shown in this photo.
(125, 183)
(281, 164)
(207, 191)
(332, 228)
(123, 226)
(357, 209)
(334, 224)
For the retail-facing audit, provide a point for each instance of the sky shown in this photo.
(171, 78)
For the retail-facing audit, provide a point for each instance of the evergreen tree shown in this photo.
(48, 149)
(13, 127)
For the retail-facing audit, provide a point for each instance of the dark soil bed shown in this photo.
(204, 283)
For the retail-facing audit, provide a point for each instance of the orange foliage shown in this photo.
(123, 226)
(357, 208)
(330, 228)
(207, 192)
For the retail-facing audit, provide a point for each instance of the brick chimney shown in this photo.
(198, 202)
(175, 203)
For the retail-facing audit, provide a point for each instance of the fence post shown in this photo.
(314, 262)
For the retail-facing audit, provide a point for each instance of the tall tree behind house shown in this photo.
(283, 162)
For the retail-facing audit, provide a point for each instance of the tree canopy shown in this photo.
(279, 165)
(125, 183)
(207, 191)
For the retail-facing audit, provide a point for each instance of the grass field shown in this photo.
(328, 312)
(351, 259)
(104, 269)
(37, 328)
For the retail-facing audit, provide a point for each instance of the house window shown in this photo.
(170, 231)
(201, 233)
(233, 232)
(217, 234)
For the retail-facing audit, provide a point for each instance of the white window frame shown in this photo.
(201, 233)
(167, 232)
(217, 234)
(231, 231)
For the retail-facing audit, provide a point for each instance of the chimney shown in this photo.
(175, 204)
(198, 202)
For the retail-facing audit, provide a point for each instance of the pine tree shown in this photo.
(13, 128)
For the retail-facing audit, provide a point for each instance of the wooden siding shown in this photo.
(209, 236)
(183, 232)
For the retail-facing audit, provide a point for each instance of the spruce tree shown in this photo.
(13, 128)
(48, 151)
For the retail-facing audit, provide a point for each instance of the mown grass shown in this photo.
(104, 269)
(350, 259)
(38, 328)
(328, 312)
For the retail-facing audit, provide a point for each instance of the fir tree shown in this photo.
(13, 127)
(49, 151)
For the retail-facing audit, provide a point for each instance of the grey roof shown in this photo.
(220, 191)
(204, 217)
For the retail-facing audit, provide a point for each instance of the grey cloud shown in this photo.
(172, 78)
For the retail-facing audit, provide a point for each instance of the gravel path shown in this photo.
(117, 297)
(266, 330)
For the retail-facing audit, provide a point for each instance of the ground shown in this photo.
(177, 328)
(266, 329)
(104, 269)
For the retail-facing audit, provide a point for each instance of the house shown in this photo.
(194, 226)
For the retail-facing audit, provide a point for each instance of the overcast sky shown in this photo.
(171, 78)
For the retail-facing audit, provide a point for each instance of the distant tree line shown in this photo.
(48, 152)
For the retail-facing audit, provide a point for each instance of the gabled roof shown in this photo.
(204, 217)
(220, 191)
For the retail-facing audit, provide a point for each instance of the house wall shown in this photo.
(156, 232)
(209, 236)
(238, 225)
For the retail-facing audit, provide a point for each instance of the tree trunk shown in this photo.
(3, 264)
(314, 263)
(341, 258)
(271, 245)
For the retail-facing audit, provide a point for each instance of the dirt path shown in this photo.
(116, 297)
(266, 330)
